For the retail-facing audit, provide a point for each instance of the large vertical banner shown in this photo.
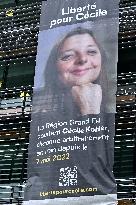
(71, 149)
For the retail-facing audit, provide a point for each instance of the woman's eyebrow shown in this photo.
(66, 50)
(72, 49)
(61, 53)
(91, 45)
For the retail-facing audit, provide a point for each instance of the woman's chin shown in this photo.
(80, 82)
(76, 81)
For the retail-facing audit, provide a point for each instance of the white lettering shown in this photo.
(64, 13)
(80, 16)
(58, 21)
(79, 9)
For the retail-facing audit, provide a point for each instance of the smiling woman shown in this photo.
(74, 75)
(79, 60)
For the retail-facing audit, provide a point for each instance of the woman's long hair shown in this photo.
(56, 94)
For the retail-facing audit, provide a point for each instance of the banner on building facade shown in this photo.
(71, 146)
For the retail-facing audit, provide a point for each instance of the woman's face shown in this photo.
(79, 60)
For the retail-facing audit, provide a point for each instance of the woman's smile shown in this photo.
(80, 71)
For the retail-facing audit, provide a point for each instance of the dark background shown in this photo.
(18, 48)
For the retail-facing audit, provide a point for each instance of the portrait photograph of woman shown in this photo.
(75, 75)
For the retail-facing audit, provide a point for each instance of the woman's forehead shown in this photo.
(78, 40)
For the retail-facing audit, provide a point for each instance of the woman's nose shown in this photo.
(81, 59)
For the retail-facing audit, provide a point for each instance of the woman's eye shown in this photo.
(66, 57)
(92, 52)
